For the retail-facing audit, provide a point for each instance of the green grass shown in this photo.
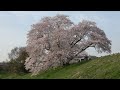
(107, 67)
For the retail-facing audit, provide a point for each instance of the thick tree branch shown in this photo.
(75, 43)
(87, 46)
(79, 38)
(83, 49)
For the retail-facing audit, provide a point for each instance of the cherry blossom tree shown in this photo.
(55, 41)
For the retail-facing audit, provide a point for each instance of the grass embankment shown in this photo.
(107, 67)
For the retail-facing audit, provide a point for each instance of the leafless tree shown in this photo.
(55, 41)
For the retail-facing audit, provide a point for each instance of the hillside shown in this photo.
(107, 67)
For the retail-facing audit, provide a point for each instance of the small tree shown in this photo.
(17, 58)
(55, 41)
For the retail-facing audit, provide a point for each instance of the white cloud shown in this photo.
(0, 50)
(20, 12)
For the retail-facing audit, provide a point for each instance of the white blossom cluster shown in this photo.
(55, 41)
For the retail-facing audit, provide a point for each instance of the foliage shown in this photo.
(4, 66)
(17, 58)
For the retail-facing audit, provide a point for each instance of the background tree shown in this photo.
(17, 58)
(55, 41)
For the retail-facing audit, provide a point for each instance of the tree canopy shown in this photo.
(55, 41)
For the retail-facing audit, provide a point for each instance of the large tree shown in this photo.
(55, 41)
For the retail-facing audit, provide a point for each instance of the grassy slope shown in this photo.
(107, 67)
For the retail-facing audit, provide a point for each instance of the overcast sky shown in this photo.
(14, 25)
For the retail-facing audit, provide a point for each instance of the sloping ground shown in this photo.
(107, 67)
